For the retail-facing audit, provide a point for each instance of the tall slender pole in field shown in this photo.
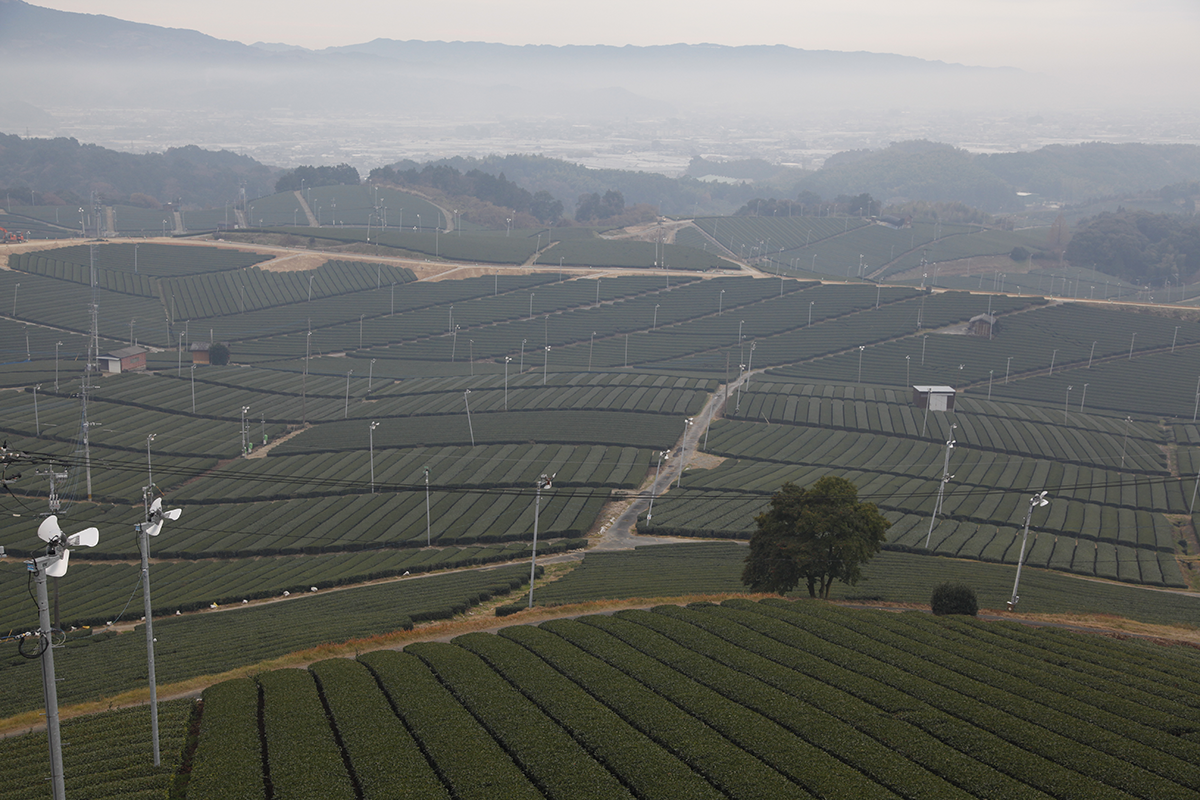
(371, 443)
(687, 423)
(427, 525)
(946, 476)
(654, 486)
(507, 361)
(1038, 500)
(543, 482)
(1125, 440)
(470, 427)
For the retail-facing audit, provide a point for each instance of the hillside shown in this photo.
(64, 171)
(745, 699)
(903, 171)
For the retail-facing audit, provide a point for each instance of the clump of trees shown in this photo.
(218, 354)
(341, 175)
(816, 536)
(760, 207)
(476, 184)
(954, 598)
(1138, 246)
(593, 206)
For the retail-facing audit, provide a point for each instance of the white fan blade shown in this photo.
(48, 531)
(153, 528)
(59, 567)
(155, 506)
(174, 513)
(88, 537)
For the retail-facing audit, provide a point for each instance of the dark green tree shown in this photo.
(341, 175)
(954, 598)
(218, 354)
(816, 535)
(545, 207)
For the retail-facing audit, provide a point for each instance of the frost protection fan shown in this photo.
(59, 543)
(156, 517)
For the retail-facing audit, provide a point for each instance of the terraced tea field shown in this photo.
(770, 699)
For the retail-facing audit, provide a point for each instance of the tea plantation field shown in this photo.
(743, 699)
(372, 424)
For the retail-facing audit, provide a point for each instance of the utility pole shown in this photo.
(946, 476)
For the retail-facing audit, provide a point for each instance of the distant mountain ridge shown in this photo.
(184, 68)
(31, 31)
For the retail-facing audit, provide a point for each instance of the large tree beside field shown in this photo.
(816, 535)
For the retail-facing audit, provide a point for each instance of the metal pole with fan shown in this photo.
(1037, 501)
(155, 516)
(54, 565)
(946, 476)
(544, 481)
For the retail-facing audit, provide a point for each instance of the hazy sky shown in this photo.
(1058, 37)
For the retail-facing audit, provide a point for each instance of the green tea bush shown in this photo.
(954, 598)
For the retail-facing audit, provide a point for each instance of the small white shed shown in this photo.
(936, 398)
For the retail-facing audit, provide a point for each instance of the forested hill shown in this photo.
(917, 170)
(71, 171)
(64, 170)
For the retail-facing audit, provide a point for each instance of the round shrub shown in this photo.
(954, 598)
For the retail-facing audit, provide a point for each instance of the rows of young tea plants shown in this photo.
(1109, 478)
(212, 295)
(354, 205)
(892, 576)
(229, 762)
(395, 516)
(289, 395)
(124, 426)
(978, 522)
(623, 253)
(64, 306)
(482, 467)
(861, 251)
(1140, 557)
(1026, 430)
(147, 259)
(1031, 741)
(136, 221)
(666, 570)
(963, 244)
(44, 222)
(746, 700)
(104, 755)
(303, 756)
(1036, 356)
(620, 428)
(519, 399)
(468, 248)
(669, 326)
(38, 263)
(866, 324)
(740, 235)
(212, 642)
(335, 321)
(283, 208)
(562, 315)
(98, 593)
